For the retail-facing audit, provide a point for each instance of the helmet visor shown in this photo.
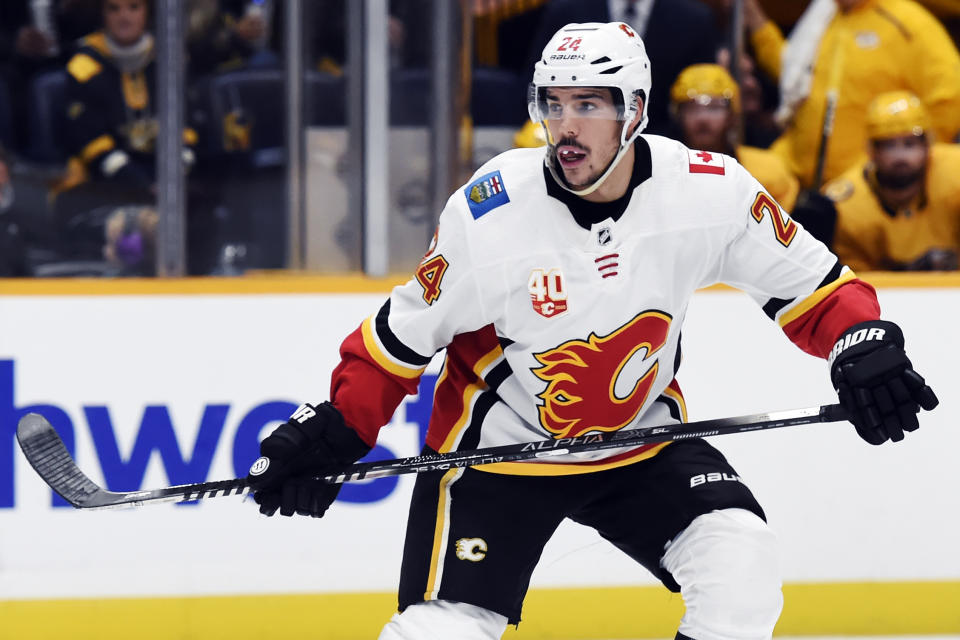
(545, 104)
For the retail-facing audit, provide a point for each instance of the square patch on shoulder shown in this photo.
(705, 162)
(485, 194)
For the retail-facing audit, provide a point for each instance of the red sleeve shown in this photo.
(817, 329)
(364, 392)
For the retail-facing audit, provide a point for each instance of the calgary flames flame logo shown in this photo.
(582, 375)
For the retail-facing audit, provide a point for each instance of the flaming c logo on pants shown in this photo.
(582, 376)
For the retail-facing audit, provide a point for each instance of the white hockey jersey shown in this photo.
(555, 330)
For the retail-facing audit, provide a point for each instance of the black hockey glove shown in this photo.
(876, 383)
(315, 441)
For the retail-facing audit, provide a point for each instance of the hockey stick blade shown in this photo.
(49, 457)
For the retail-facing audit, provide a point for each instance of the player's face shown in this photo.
(585, 125)
(901, 161)
(125, 20)
(705, 124)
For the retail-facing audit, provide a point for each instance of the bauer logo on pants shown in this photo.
(704, 478)
(259, 466)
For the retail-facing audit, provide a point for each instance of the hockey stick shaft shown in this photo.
(594, 442)
(47, 454)
(825, 132)
(829, 114)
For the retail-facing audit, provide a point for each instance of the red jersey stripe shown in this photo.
(816, 330)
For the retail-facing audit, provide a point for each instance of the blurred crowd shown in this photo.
(847, 111)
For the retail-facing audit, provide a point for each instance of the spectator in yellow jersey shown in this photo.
(705, 101)
(846, 52)
(901, 209)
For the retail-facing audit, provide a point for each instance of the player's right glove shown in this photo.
(315, 441)
(876, 383)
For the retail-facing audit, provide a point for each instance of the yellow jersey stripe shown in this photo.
(381, 358)
(815, 298)
(469, 395)
(486, 360)
(440, 533)
(679, 399)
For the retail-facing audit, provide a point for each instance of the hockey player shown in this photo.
(558, 283)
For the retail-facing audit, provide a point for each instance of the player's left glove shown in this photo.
(315, 441)
(876, 383)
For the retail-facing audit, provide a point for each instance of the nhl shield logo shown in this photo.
(604, 236)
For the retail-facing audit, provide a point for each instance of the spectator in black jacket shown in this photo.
(111, 113)
(37, 36)
(112, 130)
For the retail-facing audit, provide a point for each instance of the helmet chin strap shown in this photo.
(558, 173)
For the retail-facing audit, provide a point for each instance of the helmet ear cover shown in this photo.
(639, 94)
(617, 97)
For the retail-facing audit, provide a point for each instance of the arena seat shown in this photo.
(498, 98)
(254, 97)
(326, 99)
(6, 116)
(410, 97)
(257, 96)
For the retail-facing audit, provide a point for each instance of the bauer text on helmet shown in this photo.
(607, 56)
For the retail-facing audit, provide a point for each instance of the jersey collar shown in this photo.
(587, 213)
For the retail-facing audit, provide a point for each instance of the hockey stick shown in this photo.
(829, 114)
(49, 457)
(826, 131)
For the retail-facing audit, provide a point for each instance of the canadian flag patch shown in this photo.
(705, 162)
